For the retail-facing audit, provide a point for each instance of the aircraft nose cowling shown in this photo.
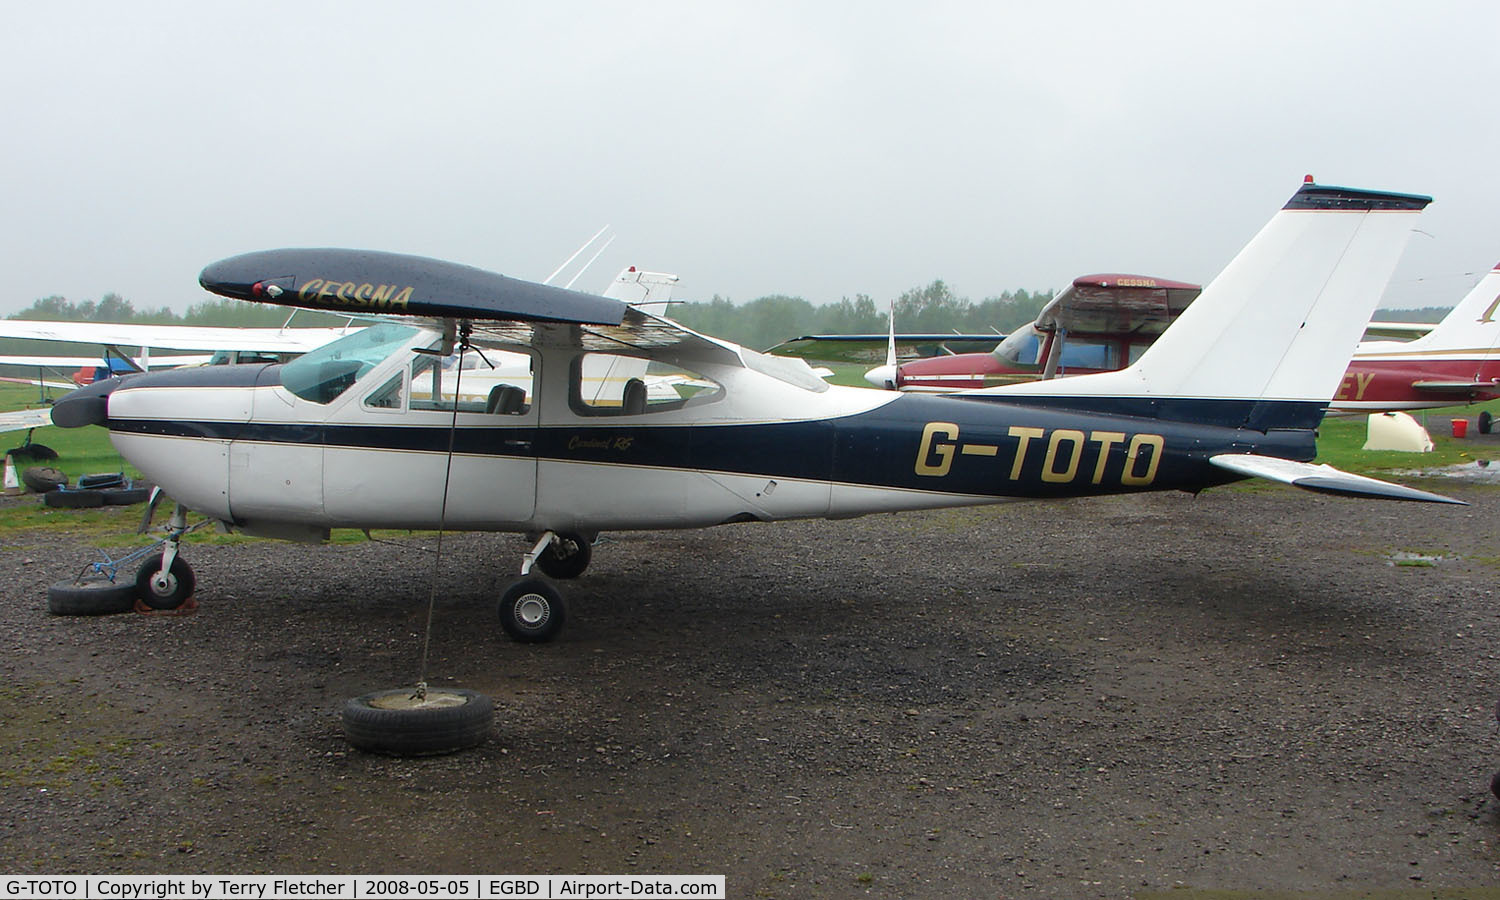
(89, 405)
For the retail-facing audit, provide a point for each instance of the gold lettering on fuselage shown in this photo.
(1061, 460)
(384, 297)
(943, 452)
(1157, 443)
(1025, 434)
(1050, 472)
(1359, 382)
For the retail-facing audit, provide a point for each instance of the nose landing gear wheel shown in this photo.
(164, 590)
(531, 611)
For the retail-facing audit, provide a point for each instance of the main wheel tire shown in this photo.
(96, 596)
(1486, 421)
(174, 589)
(64, 498)
(566, 557)
(395, 724)
(531, 611)
(42, 479)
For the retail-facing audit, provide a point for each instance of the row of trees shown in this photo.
(768, 321)
(760, 323)
(114, 308)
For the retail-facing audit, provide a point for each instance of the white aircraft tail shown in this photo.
(1471, 325)
(647, 291)
(1282, 320)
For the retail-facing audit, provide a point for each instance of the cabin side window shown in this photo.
(498, 382)
(606, 384)
(389, 397)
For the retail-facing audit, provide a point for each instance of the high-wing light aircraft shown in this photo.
(115, 335)
(1454, 362)
(344, 437)
(1099, 323)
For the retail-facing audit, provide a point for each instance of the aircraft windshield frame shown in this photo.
(324, 374)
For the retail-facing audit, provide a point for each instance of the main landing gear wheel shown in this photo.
(405, 722)
(1486, 422)
(531, 611)
(566, 556)
(97, 596)
(165, 590)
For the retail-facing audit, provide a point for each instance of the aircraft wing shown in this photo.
(367, 282)
(70, 362)
(870, 348)
(1117, 305)
(1398, 330)
(173, 337)
(1323, 478)
(25, 418)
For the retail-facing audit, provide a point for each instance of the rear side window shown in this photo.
(605, 384)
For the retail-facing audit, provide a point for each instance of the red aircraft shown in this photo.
(1103, 322)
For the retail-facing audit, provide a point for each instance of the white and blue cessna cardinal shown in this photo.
(360, 433)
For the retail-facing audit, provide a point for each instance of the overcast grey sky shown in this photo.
(814, 149)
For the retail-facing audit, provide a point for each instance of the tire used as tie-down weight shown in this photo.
(95, 596)
(65, 498)
(41, 479)
(397, 723)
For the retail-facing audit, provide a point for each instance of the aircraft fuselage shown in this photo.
(236, 444)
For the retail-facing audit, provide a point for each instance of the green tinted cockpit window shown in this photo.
(321, 375)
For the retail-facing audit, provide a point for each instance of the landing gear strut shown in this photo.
(165, 580)
(531, 609)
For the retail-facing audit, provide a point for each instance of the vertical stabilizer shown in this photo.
(1474, 324)
(647, 291)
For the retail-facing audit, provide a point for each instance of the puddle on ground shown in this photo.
(1416, 560)
(1482, 471)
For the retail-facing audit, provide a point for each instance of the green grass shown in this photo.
(1340, 440)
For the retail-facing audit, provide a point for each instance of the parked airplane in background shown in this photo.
(1454, 362)
(1235, 388)
(1099, 323)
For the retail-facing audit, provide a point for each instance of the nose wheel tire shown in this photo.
(397, 723)
(566, 557)
(164, 590)
(531, 611)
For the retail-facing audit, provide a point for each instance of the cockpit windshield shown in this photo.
(323, 374)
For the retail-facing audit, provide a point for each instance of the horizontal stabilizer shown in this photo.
(1323, 478)
(1453, 387)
